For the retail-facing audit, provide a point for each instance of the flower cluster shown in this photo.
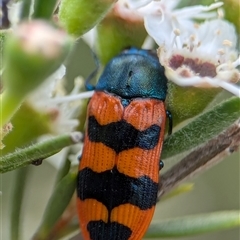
(194, 53)
(64, 109)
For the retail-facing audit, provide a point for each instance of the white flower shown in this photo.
(207, 57)
(162, 21)
(202, 55)
(14, 10)
(50, 97)
(136, 3)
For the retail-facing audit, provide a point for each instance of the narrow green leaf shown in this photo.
(3, 39)
(43, 8)
(39, 151)
(63, 171)
(26, 7)
(192, 225)
(203, 128)
(183, 188)
(57, 203)
(16, 202)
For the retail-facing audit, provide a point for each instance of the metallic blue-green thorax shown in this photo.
(134, 73)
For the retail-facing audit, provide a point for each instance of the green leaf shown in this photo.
(203, 128)
(3, 38)
(39, 151)
(188, 102)
(43, 8)
(63, 171)
(26, 9)
(57, 203)
(16, 200)
(183, 188)
(192, 225)
(231, 10)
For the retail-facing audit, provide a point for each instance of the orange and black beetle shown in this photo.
(118, 176)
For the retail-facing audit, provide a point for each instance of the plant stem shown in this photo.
(194, 225)
(201, 158)
(39, 151)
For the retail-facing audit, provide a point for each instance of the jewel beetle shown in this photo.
(118, 176)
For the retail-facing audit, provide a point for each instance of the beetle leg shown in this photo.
(161, 165)
(170, 122)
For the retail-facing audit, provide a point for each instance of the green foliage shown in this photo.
(193, 225)
(44, 8)
(58, 202)
(203, 128)
(187, 102)
(19, 187)
(232, 14)
(2, 42)
(38, 151)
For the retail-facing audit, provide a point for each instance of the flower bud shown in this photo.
(33, 51)
(79, 16)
